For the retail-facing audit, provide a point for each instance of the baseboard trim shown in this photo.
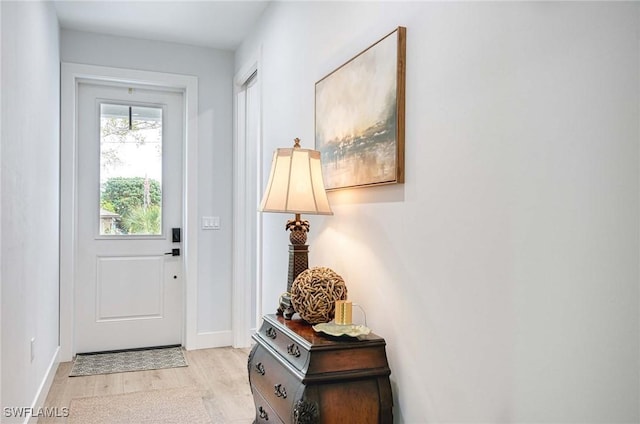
(211, 339)
(43, 390)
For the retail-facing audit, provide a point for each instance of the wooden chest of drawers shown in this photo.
(300, 376)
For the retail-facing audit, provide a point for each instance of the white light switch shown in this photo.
(210, 222)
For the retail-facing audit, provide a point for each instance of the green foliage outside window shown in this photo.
(142, 221)
(137, 200)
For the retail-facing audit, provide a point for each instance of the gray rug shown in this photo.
(125, 361)
(171, 406)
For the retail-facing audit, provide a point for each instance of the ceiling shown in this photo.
(208, 23)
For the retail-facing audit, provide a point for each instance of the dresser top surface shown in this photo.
(320, 340)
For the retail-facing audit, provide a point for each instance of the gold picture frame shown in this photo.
(359, 117)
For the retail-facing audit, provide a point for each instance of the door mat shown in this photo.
(170, 406)
(128, 360)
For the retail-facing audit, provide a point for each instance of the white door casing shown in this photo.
(128, 292)
(247, 293)
(71, 75)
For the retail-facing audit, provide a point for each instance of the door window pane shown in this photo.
(130, 170)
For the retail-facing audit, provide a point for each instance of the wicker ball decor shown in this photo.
(314, 292)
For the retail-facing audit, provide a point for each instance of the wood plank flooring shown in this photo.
(221, 373)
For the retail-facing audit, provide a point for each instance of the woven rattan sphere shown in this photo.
(314, 293)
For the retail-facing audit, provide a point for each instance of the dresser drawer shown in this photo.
(274, 383)
(288, 348)
(264, 413)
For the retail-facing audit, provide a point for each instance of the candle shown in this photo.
(343, 312)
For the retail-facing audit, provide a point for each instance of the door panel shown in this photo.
(121, 278)
(128, 292)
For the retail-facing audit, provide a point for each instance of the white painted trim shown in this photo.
(245, 72)
(210, 339)
(260, 183)
(241, 294)
(240, 314)
(1, 197)
(70, 74)
(43, 390)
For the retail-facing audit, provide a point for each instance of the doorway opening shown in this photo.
(72, 78)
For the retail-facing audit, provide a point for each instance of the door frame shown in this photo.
(71, 74)
(242, 326)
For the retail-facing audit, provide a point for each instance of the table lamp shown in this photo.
(295, 186)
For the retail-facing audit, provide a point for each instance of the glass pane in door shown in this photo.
(130, 170)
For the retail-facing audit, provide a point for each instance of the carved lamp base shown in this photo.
(298, 260)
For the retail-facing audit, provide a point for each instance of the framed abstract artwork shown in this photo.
(359, 117)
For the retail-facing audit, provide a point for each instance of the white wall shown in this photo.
(29, 155)
(214, 69)
(504, 272)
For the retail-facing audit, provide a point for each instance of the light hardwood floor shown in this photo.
(221, 373)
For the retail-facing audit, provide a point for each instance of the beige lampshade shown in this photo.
(295, 184)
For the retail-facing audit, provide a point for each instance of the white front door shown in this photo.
(129, 288)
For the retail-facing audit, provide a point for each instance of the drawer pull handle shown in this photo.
(263, 414)
(293, 350)
(259, 368)
(271, 333)
(280, 391)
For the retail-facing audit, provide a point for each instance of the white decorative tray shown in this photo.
(334, 329)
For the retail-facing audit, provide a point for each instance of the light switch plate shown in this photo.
(210, 222)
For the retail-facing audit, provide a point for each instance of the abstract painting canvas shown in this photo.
(359, 123)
